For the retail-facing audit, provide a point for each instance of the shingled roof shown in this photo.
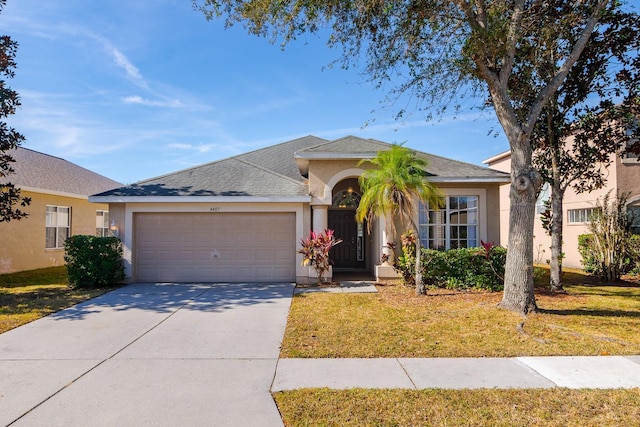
(35, 171)
(275, 172)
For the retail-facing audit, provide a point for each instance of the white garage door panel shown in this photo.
(220, 247)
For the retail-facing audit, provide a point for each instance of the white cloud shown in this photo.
(135, 99)
(199, 148)
(121, 61)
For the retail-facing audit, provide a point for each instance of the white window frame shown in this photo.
(633, 214)
(579, 216)
(102, 223)
(544, 196)
(57, 226)
(447, 229)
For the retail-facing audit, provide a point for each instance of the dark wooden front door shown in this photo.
(349, 253)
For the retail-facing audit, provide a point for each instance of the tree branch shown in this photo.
(560, 76)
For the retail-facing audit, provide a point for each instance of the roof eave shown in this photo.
(497, 157)
(51, 192)
(470, 179)
(200, 199)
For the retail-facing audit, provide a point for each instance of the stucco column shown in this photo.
(385, 270)
(383, 237)
(320, 218)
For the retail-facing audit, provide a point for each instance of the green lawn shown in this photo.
(590, 319)
(30, 295)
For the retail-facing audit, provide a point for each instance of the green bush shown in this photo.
(469, 268)
(93, 261)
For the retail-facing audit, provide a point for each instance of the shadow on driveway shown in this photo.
(168, 297)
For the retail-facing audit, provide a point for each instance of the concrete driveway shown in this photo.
(149, 354)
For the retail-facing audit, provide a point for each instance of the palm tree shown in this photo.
(390, 190)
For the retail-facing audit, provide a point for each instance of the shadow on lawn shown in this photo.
(590, 312)
(170, 297)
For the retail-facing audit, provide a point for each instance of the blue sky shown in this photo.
(135, 89)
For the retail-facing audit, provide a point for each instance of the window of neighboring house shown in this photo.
(454, 225)
(632, 157)
(102, 223)
(633, 214)
(58, 225)
(543, 197)
(579, 216)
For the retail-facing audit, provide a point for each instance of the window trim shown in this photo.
(480, 215)
(105, 224)
(58, 243)
(587, 216)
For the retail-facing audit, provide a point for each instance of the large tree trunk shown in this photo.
(555, 279)
(518, 279)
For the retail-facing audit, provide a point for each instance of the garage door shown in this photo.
(216, 247)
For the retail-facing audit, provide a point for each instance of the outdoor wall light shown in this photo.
(113, 228)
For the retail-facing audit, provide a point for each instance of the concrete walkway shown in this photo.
(521, 372)
(149, 355)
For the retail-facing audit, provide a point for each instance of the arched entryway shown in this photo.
(351, 253)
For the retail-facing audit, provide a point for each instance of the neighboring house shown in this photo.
(242, 218)
(623, 176)
(59, 192)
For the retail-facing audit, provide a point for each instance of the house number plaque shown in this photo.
(214, 209)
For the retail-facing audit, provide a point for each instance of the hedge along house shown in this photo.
(242, 218)
(59, 192)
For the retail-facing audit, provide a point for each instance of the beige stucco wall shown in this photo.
(22, 244)
(325, 174)
(572, 200)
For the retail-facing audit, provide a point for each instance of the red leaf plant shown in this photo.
(315, 251)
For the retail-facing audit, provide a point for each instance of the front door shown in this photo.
(349, 253)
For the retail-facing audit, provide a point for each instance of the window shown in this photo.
(543, 197)
(58, 226)
(454, 225)
(633, 216)
(632, 133)
(579, 216)
(102, 223)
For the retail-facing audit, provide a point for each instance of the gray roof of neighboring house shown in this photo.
(38, 171)
(273, 172)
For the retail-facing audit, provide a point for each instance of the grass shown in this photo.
(540, 407)
(590, 319)
(30, 295)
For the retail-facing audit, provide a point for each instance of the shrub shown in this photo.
(315, 251)
(630, 262)
(468, 268)
(93, 261)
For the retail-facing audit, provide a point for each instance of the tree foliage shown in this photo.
(439, 52)
(396, 180)
(10, 139)
(589, 118)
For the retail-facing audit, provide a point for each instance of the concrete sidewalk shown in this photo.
(522, 372)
